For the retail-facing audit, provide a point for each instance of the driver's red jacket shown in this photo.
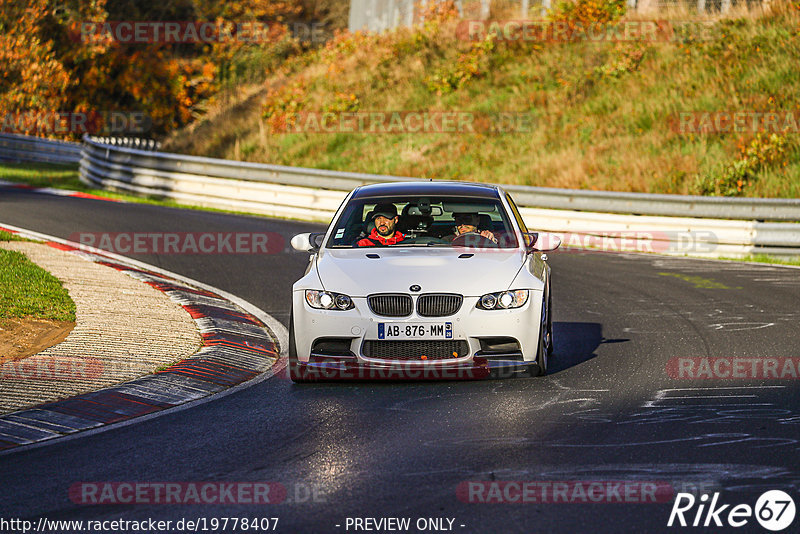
(374, 239)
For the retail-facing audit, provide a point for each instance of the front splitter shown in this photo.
(478, 369)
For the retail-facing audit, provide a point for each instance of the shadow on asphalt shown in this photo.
(576, 343)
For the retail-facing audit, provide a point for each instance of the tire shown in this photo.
(543, 353)
(550, 341)
(540, 367)
(294, 368)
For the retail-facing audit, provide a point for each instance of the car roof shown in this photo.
(432, 188)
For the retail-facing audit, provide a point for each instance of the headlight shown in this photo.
(343, 302)
(503, 300)
(327, 300)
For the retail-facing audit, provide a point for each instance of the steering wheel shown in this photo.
(423, 240)
(473, 239)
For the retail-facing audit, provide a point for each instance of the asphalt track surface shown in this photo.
(608, 411)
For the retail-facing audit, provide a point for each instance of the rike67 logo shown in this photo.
(774, 510)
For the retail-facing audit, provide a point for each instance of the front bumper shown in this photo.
(476, 369)
(470, 324)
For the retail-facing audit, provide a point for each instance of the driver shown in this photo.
(385, 218)
(467, 223)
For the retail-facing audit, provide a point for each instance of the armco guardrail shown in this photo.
(163, 164)
(671, 235)
(704, 226)
(24, 148)
(765, 209)
(212, 183)
(677, 224)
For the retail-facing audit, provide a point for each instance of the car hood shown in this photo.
(352, 272)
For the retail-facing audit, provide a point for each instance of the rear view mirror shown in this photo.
(431, 210)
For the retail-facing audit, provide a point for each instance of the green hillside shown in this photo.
(600, 111)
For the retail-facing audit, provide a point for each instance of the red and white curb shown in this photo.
(53, 191)
(241, 346)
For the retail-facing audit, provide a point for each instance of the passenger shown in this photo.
(467, 223)
(384, 233)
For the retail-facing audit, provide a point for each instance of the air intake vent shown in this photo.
(390, 304)
(438, 304)
(415, 350)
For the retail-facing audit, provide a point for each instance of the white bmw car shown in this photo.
(422, 280)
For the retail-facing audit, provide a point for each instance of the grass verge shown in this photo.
(62, 177)
(8, 236)
(42, 175)
(30, 291)
(602, 112)
(763, 258)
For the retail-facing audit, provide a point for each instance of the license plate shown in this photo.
(415, 330)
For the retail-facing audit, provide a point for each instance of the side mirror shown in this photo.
(308, 242)
(530, 239)
(546, 242)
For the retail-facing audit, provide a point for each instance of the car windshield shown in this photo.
(424, 222)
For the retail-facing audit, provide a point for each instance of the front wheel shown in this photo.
(545, 346)
(294, 362)
(543, 350)
(549, 341)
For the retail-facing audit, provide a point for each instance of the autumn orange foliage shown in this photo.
(47, 68)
